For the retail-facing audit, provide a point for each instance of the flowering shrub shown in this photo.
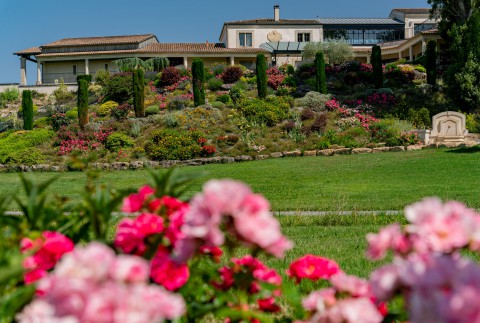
(208, 151)
(274, 77)
(166, 263)
(59, 120)
(121, 112)
(169, 76)
(71, 139)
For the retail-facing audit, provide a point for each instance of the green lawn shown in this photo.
(386, 181)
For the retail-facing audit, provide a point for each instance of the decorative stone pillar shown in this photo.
(410, 53)
(23, 71)
(232, 60)
(400, 55)
(87, 66)
(368, 59)
(185, 62)
(39, 73)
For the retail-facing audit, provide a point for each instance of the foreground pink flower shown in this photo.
(389, 238)
(91, 284)
(134, 202)
(167, 272)
(233, 204)
(49, 249)
(131, 233)
(313, 268)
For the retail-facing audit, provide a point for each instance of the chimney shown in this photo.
(276, 12)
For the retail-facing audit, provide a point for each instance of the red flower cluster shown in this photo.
(313, 268)
(274, 77)
(47, 251)
(250, 273)
(208, 151)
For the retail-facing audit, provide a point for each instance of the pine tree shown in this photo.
(198, 79)
(431, 62)
(376, 60)
(139, 93)
(321, 80)
(261, 76)
(27, 109)
(82, 102)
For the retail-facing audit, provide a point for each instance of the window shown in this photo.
(245, 39)
(367, 36)
(423, 27)
(303, 37)
(74, 69)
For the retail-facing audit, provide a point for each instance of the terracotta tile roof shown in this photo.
(29, 51)
(270, 21)
(413, 10)
(107, 40)
(167, 48)
(197, 48)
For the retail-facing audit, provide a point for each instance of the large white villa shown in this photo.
(403, 34)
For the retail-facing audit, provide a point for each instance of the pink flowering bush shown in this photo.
(274, 77)
(203, 259)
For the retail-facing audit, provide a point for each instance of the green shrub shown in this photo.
(82, 103)
(11, 142)
(102, 77)
(106, 108)
(217, 68)
(168, 144)
(217, 105)
(472, 123)
(31, 156)
(10, 94)
(214, 84)
(42, 122)
(117, 141)
(236, 94)
(62, 95)
(72, 114)
(321, 80)
(119, 87)
(314, 101)
(27, 110)
(138, 93)
(225, 98)
(171, 120)
(261, 70)
(198, 80)
(151, 110)
(270, 111)
(420, 68)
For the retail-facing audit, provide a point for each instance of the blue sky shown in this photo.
(29, 23)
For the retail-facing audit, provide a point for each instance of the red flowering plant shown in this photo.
(71, 139)
(166, 261)
(274, 77)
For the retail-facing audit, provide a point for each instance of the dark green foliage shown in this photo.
(119, 88)
(139, 93)
(82, 103)
(87, 78)
(198, 80)
(121, 112)
(27, 108)
(376, 60)
(432, 62)
(321, 85)
(261, 76)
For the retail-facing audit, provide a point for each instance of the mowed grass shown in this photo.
(385, 181)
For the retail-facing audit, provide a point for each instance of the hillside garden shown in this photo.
(217, 253)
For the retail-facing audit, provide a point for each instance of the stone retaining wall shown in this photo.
(134, 165)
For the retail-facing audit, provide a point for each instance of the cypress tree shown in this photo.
(376, 60)
(139, 93)
(321, 79)
(82, 102)
(27, 109)
(198, 79)
(261, 76)
(431, 62)
(86, 77)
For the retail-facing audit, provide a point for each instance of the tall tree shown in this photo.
(451, 12)
(261, 76)
(27, 110)
(138, 93)
(82, 102)
(431, 62)
(376, 60)
(321, 80)
(198, 80)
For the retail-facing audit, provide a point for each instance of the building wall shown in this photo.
(53, 72)
(259, 33)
